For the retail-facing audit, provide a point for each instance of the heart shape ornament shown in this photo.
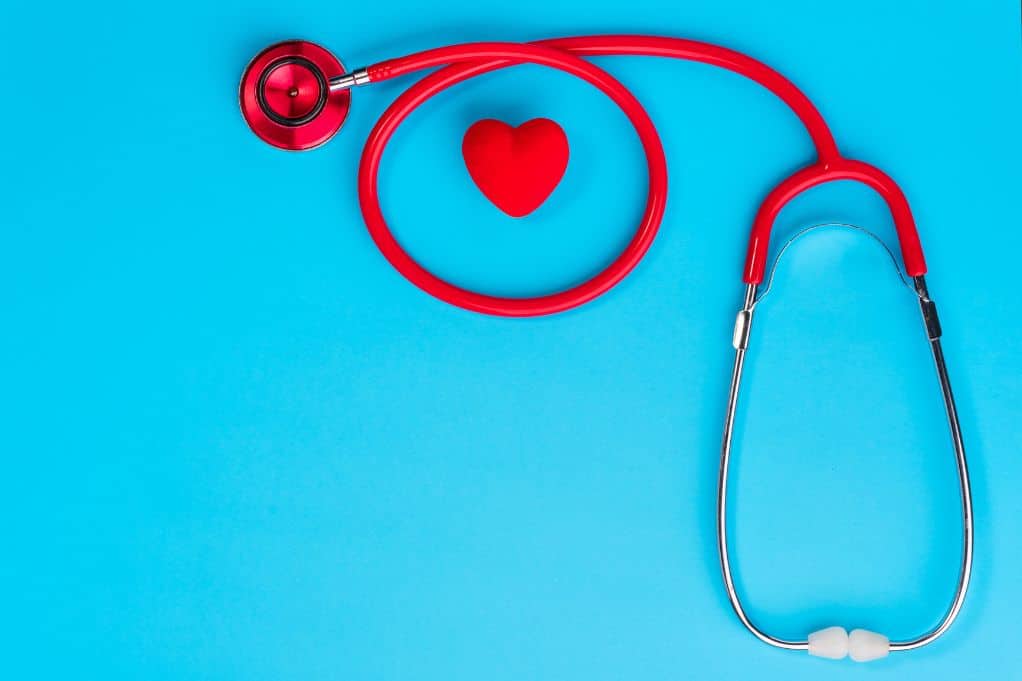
(516, 168)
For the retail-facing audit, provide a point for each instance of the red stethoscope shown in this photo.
(295, 95)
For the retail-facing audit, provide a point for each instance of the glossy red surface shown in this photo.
(291, 90)
(822, 172)
(293, 78)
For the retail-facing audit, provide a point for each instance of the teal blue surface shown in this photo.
(238, 445)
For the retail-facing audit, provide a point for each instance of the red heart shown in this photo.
(516, 168)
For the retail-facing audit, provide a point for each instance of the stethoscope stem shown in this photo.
(349, 80)
(740, 342)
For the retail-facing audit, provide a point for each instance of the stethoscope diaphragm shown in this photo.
(286, 98)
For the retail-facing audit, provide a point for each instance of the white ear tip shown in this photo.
(831, 643)
(864, 646)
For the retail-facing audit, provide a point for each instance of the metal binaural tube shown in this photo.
(743, 326)
(740, 343)
(929, 312)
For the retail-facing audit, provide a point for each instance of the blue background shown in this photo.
(238, 445)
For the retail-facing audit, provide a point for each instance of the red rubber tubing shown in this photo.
(472, 59)
(830, 171)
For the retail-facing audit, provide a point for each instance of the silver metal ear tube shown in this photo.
(740, 341)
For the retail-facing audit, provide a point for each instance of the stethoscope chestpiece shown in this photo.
(286, 97)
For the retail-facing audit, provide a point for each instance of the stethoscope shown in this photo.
(295, 95)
